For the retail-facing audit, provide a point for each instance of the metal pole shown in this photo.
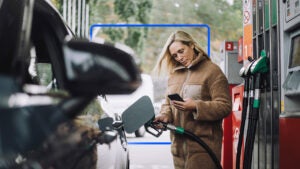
(65, 9)
(79, 18)
(275, 131)
(87, 20)
(69, 13)
(82, 17)
(73, 23)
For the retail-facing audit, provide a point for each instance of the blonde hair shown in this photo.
(165, 60)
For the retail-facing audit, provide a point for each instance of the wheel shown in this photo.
(140, 132)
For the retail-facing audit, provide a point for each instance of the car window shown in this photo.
(44, 71)
(40, 73)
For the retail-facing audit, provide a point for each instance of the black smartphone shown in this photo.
(175, 96)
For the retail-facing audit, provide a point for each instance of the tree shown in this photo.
(57, 4)
(224, 20)
(120, 11)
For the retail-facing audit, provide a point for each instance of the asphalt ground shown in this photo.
(150, 152)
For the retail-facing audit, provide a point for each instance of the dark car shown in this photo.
(48, 78)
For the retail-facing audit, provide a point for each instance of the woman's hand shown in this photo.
(187, 105)
(161, 118)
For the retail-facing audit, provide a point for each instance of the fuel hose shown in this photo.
(257, 69)
(250, 129)
(247, 97)
(192, 136)
(242, 127)
(253, 118)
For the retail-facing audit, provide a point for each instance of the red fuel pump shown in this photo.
(230, 52)
(237, 100)
(226, 160)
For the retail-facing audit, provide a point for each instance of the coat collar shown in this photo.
(200, 57)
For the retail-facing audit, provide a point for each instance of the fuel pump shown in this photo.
(229, 51)
(275, 27)
(289, 121)
(258, 67)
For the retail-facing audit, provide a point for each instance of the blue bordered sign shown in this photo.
(154, 26)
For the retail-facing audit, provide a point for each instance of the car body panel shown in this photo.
(114, 159)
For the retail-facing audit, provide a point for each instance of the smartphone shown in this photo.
(175, 96)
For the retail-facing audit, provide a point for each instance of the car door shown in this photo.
(48, 36)
(33, 32)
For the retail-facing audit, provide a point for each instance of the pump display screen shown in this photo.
(295, 52)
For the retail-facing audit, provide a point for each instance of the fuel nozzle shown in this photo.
(260, 65)
(178, 130)
(155, 128)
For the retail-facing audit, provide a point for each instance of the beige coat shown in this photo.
(207, 85)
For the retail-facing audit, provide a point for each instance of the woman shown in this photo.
(205, 91)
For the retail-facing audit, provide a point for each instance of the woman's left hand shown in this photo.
(187, 105)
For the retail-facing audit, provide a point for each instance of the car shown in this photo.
(117, 104)
(48, 79)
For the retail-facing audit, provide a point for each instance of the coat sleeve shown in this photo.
(220, 104)
(166, 110)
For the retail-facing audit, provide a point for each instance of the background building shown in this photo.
(76, 14)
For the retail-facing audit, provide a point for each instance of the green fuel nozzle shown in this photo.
(156, 128)
(178, 130)
(260, 65)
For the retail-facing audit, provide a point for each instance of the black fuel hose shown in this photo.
(243, 119)
(248, 141)
(205, 146)
(253, 118)
(192, 136)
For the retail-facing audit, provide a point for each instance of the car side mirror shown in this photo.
(93, 68)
